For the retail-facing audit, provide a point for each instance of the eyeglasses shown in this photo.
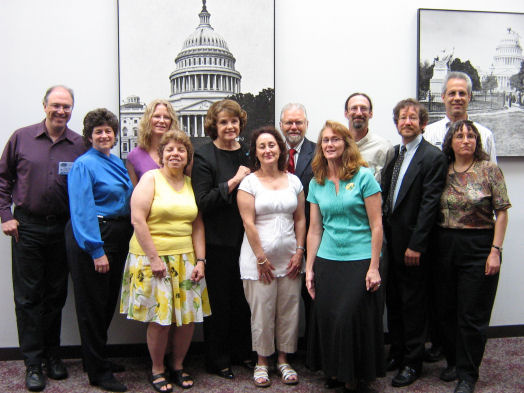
(333, 140)
(65, 108)
(298, 123)
(363, 109)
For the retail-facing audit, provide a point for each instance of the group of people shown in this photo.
(224, 235)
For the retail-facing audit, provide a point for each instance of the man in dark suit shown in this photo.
(294, 123)
(411, 186)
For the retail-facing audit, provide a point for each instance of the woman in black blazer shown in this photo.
(219, 167)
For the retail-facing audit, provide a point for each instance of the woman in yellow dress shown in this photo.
(163, 280)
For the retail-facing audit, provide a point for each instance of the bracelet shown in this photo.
(261, 263)
(202, 260)
(497, 247)
(301, 248)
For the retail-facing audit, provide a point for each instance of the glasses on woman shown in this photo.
(333, 140)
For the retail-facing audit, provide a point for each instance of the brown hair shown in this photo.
(144, 126)
(479, 154)
(178, 137)
(411, 102)
(95, 118)
(231, 107)
(351, 158)
(282, 158)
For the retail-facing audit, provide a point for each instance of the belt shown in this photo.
(104, 219)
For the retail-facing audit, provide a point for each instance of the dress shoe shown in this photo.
(225, 373)
(464, 387)
(55, 368)
(393, 364)
(449, 374)
(110, 385)
(405, 377)
(34, 378)
(433, 354)
(116, 367)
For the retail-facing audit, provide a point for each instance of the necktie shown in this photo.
(394, 177)
(291, 161)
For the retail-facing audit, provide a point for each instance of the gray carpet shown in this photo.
(502, 371)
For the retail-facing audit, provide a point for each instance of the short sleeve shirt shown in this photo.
(346, 231)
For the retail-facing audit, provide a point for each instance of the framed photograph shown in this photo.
(486, 46)
(194, 53)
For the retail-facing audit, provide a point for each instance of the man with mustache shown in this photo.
(376, 150)
(456, 95)
(411, 187)
(293, 124)
(33, 177)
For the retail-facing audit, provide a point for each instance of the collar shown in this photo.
(297, 147)
(42, 130)
(413, 144)
(364, 139)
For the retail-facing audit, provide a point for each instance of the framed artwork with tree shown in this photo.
(488, 47)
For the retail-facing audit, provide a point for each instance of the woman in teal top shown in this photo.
(343, 255)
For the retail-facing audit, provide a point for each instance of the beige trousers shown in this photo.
(274, 314)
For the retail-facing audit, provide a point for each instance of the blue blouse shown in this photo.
(98, 186)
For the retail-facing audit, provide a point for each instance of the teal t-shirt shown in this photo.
(347, 235)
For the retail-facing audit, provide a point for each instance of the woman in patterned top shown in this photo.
(471, 228)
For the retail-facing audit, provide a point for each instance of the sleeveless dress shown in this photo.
(173, 298)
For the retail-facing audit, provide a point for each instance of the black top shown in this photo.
(212, 169)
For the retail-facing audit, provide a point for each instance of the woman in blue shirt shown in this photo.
(97, 241)
(343, 253)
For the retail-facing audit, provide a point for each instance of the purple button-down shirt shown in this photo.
(33, 171)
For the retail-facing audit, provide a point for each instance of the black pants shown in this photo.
(96, 294)
(465, 297)
(227, 331)
(406, 305)
(39, 271)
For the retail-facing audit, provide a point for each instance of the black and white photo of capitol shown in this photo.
(194, 53)
(488, 47)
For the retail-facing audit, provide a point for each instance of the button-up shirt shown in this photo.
(33, 171)
(411, 149)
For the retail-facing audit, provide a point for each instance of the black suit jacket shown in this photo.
(409, 223)
(303, 169)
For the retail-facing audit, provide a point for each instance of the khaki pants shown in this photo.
(274, 314)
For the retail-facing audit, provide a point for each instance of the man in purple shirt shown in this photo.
(33, 177)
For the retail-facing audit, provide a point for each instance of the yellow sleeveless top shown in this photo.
(170, 219)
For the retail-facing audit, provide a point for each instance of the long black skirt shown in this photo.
(346, 337)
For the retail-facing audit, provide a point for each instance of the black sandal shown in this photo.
(179, 379)
(158, 385)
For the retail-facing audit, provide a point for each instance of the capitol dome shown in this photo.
(507, 59)
(204, 73)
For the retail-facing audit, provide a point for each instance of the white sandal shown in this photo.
(286, 372)
(261, 372)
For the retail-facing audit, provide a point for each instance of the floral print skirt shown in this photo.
(173, 299)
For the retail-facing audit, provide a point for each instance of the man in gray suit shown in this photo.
(294, 123)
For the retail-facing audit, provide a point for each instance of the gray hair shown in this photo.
(291, 106)
(457, 75)
(50, 90)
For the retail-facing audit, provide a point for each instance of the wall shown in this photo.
(324, 51)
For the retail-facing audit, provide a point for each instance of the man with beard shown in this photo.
(33, 176)
(376, 150)
(411, 187)
(294, 123)
(456, 96)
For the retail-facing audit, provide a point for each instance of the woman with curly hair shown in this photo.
(163, 282)
(158, 118)
(471, 228)
(342, 269)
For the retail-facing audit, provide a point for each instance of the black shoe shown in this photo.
(464, 387)
(34, 378)
(393, 364)
(405, 377)
(332, 383)
(55, 368)
(110, 385)
(433, 354)
(225, 373)
(449, 374)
